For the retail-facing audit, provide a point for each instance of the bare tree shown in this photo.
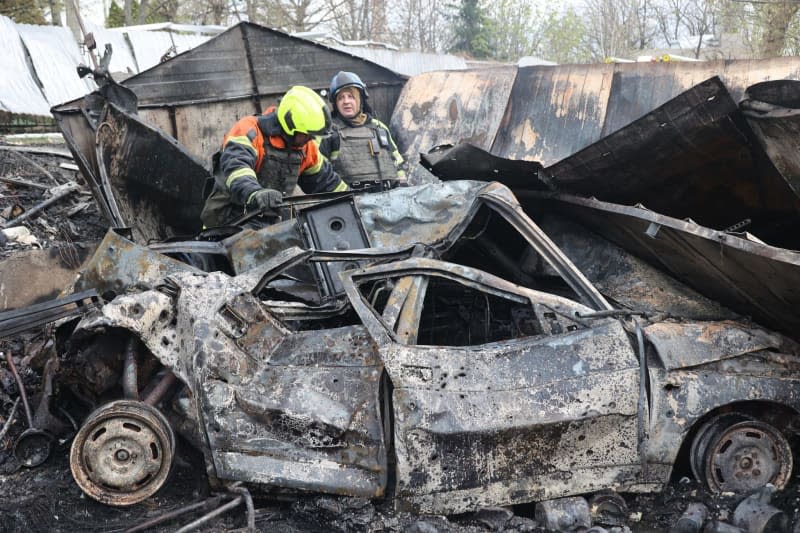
(294, 15)
(776, 17)
(143, 7)
(420, 25)
(611, 26)
(127, 10)
(359, 19)
(205, 11)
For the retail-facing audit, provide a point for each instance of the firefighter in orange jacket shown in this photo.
(263, 157)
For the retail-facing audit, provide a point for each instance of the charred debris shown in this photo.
(508, 333)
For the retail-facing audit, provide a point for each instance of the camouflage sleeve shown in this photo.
(317, 174)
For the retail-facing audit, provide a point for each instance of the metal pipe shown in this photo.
(248, 501)
(130, 372)
(207, 517)
(21, 388)
(208, 503)
(155, 395)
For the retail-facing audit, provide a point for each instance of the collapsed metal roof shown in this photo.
(699, 157)
(546, 113)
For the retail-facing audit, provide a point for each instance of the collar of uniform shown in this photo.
(359, 120)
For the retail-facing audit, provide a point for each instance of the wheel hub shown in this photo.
(123, 453)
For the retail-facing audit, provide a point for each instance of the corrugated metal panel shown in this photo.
(19, 92)
(55, 56)
(449, 107)
(554, 111)
(407, 63)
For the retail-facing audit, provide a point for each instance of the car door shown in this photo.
(291, 408)
(501, 394)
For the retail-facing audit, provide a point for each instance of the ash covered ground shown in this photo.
(45, 498)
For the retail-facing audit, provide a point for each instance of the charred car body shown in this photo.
(444, 353)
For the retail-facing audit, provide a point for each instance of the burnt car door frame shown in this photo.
(489, 408)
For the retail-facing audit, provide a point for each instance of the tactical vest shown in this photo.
(365, 153)
(280, 170)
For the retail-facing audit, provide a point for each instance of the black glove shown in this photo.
(265, 200)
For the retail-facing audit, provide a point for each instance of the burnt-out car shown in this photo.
(458, 359)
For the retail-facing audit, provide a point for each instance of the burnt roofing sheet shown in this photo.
(694, 156)
(748, 276)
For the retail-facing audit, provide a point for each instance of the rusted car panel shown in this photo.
(120, 265)
(306, 419)
(492, 393)
(689, 344)
(436, 215)
(156, 185)
(760, 386)
(722, 266)
(450, 107)
(292, 409)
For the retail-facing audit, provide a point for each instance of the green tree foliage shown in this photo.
(116, 16)
(472, 30)
(22, 11)
(564, 38)
(517, 29)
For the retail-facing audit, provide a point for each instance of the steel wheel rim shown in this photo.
(123, 453)
(746, 456)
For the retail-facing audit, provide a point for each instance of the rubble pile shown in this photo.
(593, 346)
(42, 180)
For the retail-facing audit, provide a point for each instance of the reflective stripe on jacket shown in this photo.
(255, 156)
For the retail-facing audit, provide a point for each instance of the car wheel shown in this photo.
(743, 456)
(122, 453)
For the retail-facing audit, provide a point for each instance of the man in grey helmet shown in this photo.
(360, 147)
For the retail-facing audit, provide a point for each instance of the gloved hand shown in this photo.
(265, 200)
